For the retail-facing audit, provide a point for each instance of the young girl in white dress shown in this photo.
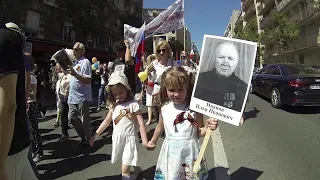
(126, 116)
(182, 127)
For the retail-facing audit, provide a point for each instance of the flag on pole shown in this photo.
(139, 53)
(133, 35)
(192, 52)
(169, 20)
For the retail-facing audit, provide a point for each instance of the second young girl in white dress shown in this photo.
(126, 116)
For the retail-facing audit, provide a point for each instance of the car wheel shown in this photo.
(275, 98)
(251, 89)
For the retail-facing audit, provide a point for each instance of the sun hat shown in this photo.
(14, 27)
(117, 77)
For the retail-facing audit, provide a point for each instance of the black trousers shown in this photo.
(64, 118)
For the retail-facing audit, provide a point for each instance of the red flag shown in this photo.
(139, 54)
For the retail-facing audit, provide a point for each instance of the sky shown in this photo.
(202, 16)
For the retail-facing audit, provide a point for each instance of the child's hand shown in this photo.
(145, 144)
(93, 139)
(139, 99)
(212, 123)
(150, 146)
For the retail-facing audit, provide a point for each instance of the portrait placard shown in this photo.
(64, 58)
(223, 78)
(119, 68)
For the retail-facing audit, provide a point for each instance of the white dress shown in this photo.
(180, 147)
(124, 137)
(155, 76)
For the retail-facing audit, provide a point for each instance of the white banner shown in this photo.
(133, 35)
(169, 20)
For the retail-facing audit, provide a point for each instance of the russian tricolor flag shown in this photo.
(139, 53)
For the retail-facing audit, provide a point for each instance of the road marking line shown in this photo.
(220, 157)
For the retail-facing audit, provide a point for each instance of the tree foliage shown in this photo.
(283, 30)
(248, 32)
(87, 16)
(176, 46)
(316, 6)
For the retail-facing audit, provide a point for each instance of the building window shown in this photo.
(126, 4)
(68, 33)
(32, 24)
(303, 9)
(301, 58)
(162, 38)
(33, 20)
(31, 34)
(107, 23)
(132, 8)
(98, 39)
(109, 41)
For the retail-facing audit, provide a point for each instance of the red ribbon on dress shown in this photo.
(180, 118)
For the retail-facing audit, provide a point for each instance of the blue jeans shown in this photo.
(102, 96)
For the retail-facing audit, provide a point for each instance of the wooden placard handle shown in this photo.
(204, 145)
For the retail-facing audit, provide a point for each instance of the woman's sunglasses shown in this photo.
(163, 50)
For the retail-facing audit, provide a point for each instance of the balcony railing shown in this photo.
(266, 21)
(286, 4)
(246, 4)
(268, 5)
(307, 40)
(266, 2)
(304, 13)
(249, 12)
(303, 42)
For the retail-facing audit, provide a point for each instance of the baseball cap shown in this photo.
(117, 77)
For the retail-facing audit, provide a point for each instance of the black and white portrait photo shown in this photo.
(119, 68)
(226, 67)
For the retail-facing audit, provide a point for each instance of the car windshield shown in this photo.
(300, 69)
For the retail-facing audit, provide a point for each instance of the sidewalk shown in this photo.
(64, 161)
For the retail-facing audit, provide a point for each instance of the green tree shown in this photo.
(176, 46)
(132, 20)
(316, 6)
(284, 31)
(87, 16)
(249, 31)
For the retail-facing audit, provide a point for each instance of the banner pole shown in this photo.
(184, 38)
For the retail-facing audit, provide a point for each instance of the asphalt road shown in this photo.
(273, 144)
(64, 161)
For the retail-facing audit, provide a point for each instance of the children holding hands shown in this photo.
(182, 127)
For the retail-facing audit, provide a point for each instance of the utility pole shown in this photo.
(259, 33)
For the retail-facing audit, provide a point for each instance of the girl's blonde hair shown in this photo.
(176, 77)
(111, 102)
(167, 45)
